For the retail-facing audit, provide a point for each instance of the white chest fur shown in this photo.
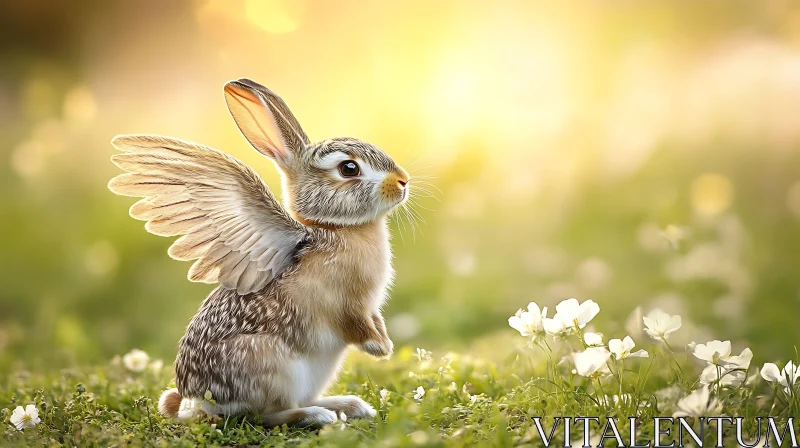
(310, 373)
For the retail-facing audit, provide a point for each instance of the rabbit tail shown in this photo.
(170, 403)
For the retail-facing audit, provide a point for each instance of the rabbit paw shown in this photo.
(349, 405)
(358, 408)
(316, 416)
(378, 348)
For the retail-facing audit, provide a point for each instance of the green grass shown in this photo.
(487, 399)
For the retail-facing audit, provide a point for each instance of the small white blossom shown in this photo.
(660, 324)
(713, 374)
(593, 339)
(156, 366)
(25, 418)
(786, 377)
(698, 404)
(713, 351)
(591, 361)
(622, 349)
(738, 362)
(423, 355)
(136, 360)
(384, 396)
(419, 392)
(570, 315)
(723, 368)
(529, 323)
(719, 353)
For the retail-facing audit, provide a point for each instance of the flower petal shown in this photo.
(627, 343)
(615, 346)
(568, 307)
(534, 308)
(587, 311)
(770, 372)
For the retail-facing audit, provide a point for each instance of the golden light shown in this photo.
(711, 194)
(275, 16)
(79, 106)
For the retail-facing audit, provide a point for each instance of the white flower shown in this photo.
(719, 353)
(25, 418)
(136, 360)
(698, 404)
(726, 377)
(722, 367)
(555, 326)
(713, 351)
(571, 315)
(423, 355)
(739, 362)
(384, 396)
(156, 366)
(622, 349)
(529, 323)
(660, 324)
(786, 377)
(591, 361)
(419, 392)
(593, 339)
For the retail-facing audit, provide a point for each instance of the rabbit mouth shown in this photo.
(388, 204)
(394, 187)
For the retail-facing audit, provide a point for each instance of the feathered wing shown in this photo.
(231, 223)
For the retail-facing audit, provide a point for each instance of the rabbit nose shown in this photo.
(402, 177)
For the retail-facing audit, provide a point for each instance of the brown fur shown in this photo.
(358, 274)
(170, 403)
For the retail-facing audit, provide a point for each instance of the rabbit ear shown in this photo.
(265, 120)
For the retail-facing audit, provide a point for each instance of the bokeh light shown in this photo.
(634, 153)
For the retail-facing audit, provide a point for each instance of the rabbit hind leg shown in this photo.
(311, 416)
(352, 406)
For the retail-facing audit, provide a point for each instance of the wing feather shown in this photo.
(228, 219)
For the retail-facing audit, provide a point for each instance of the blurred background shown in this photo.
(637, 153)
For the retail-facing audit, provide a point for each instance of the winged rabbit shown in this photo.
(298, 282)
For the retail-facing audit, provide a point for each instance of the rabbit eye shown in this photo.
(349, 168)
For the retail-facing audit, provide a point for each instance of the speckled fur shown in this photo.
(244, 348)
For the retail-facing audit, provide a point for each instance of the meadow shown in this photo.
(424, 399)
(639, 155)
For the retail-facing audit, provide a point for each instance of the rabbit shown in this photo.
(298, 283)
